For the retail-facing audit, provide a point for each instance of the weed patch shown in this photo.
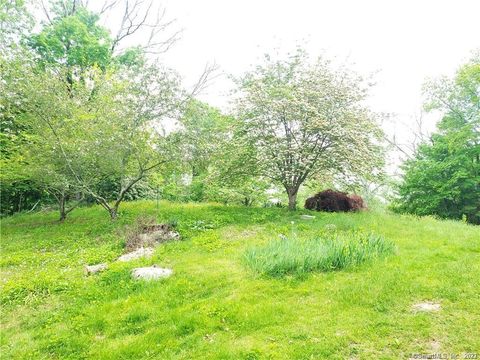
(292, 256)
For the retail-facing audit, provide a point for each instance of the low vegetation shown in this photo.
(325, 253)
(214, 307)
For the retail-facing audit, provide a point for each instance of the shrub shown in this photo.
(334, 201)
(326, 253)
(356, 202)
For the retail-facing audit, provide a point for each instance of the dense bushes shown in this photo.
(19, 196)
(334, 201)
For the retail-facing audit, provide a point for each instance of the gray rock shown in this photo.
(158, 236)
(139, 253)
(151, 273)
(93, 269)
(307, 217)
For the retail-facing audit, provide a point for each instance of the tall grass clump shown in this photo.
(337, 251)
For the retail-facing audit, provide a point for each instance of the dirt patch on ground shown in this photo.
(427, 306)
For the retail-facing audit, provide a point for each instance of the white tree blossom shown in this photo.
(303, 117)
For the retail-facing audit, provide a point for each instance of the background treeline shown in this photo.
(88, 118)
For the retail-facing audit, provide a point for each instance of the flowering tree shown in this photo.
(301, 117)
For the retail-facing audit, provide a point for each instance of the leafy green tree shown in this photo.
(18, 192)
(203, 130)
(72, 45)
(74, 41)
(205, 160)
(301, 117)
(15, 23)
(110, 136)
(203, 133)
(443, 178)
(82, 111)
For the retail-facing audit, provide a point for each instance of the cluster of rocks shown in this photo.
(150, 235)
(143, 246)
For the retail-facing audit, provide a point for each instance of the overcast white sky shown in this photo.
(403, 41)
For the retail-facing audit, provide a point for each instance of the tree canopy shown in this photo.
(76, 115)
(301, 117)
(443, 178)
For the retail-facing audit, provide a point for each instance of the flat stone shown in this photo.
(139, 253)
(307, 217)
(151, 273)
(427, 306)
(93, 269)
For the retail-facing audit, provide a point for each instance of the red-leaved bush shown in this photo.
(334, 201)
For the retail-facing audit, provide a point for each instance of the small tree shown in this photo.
(45, 167)
(300, 118)
(203, 130)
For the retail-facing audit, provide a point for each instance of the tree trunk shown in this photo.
(20, 200)
(61, 207)
(113, 212)
(292, 199)
(247, 201)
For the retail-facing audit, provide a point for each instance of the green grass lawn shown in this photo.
(216, 307)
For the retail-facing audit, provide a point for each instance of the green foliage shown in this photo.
(292, 256)
(75, 146)
(74, 41)
(78, 119)
(15, 22)
(203, 170)
(18, 190)
(19, 195)
(240, 190)
(443, 178)
(204, 131)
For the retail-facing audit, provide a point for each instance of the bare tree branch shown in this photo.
(417, 134)
(107, 6)
(45, 11)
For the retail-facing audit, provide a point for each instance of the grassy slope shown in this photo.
(214, 308)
